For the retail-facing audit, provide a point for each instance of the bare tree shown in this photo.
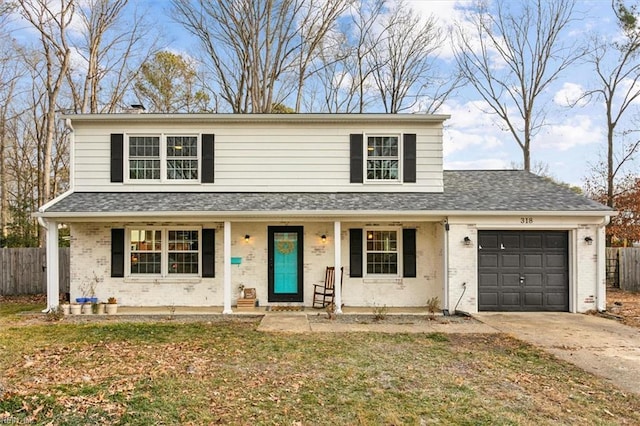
(513, 55)
(403, 62)
(254, 47)
(343, 71)
(617, 69)
(114, 41)
(51, 23)
(10, 73)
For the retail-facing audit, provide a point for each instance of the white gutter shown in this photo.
(315, 213)
(601, 266)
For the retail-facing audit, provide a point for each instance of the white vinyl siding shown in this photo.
(261, 157)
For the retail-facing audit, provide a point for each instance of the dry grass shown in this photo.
(624, 304)
(228, 373)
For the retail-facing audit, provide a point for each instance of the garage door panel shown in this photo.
(488, 280)
(510, 299)
(509, 280)
(532, 260)
(556, 280)
(553, 260)
(532, 241)
(488, 241)
(510, 241)
(557, 240)
(533, 299)
(533, 280)
(556, 299)
(489, 300)
(488, 260)
(510, 261)
(540, 258)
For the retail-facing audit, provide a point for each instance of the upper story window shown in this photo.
(383, 158)
(159, 158)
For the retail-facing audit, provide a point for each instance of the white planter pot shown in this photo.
(75, 309)
(86, 309)
(101, 308)
(66, 308)
(111, 308)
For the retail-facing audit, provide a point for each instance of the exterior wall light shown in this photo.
(247, 238)
(588, 240)
(467, 241)
(323, 238)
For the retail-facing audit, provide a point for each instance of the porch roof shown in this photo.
(465, 191)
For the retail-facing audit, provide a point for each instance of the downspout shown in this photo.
(601, 266)
(445, 265)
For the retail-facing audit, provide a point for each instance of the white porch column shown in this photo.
(53, 286)
(445, 266)
(226, 279)
(336, 262)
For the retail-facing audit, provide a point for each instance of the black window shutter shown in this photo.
(208, 253)
(356, 158)
(355, 252)
(117, 157)
(207, 158)
(117, 252)
(409, 150)
(409, 253)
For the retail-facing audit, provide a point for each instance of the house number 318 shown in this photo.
(527, 220)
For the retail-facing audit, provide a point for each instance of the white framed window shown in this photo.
(383, 158)
(163, 158)
(382, 252)
(163, 251)
(144, 157)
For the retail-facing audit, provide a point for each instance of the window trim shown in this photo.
(163, 158)
(399, 252)
(164, 252)
(365, 158)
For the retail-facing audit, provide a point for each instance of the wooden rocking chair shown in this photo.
(323, 293)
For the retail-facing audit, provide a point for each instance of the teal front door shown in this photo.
(285, 264)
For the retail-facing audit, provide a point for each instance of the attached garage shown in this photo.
(523, 271)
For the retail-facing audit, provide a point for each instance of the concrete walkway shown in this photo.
(597, 345)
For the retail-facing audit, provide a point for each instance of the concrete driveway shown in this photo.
(597, 345)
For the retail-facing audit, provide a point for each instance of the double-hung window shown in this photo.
(164, 251)
(383, 158)
(163, 157)
(382, 252)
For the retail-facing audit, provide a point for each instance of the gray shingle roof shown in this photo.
(464, 191)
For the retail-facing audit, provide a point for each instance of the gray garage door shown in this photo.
(523, 271)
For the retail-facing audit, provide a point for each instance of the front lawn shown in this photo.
(226, 372)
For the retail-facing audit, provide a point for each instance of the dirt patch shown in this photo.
(624, 305)
(391, 319)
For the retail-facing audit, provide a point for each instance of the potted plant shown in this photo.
(88, 290)
(112, 306)
(66, 308)
(75, 308)
(87, 308)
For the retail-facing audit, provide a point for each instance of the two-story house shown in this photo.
(184, 209)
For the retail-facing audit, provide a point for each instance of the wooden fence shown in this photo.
(23, 271)
(628, 270)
